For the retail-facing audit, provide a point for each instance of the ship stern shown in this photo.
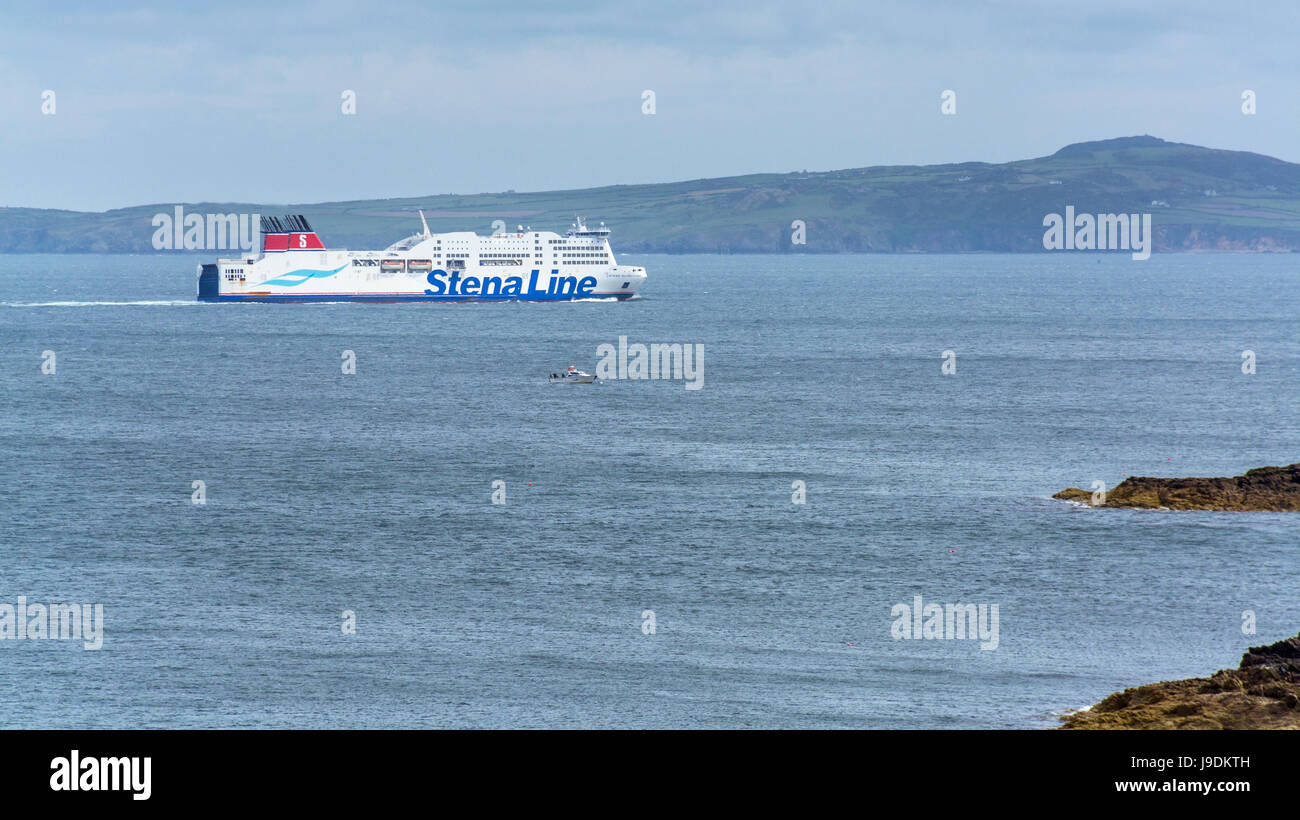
(209, 283)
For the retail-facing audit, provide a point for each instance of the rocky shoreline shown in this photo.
(1263, 692)
(1264, 489)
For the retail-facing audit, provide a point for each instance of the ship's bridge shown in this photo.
(580, 228)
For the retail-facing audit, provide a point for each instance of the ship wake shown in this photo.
(149, 303)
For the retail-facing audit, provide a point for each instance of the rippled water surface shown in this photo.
(372, 493)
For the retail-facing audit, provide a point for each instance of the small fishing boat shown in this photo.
(572, 376)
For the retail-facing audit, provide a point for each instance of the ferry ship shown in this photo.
(527, 265)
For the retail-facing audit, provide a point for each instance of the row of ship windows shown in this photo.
(422, 263)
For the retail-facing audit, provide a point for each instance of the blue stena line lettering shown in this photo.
(444, 284)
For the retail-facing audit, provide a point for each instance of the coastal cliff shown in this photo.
(1263, 692)
(1265, 489)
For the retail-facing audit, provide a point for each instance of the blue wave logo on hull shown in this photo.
(297, 277)
(510, 287)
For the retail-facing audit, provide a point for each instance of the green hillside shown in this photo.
(1209, 199)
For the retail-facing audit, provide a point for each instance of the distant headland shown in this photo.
(1197, 199)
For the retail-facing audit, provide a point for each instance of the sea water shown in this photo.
(649, 567)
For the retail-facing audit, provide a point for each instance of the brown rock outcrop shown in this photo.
(1262, 693)
(1275, 489)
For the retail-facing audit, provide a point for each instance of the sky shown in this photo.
(243, 101)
